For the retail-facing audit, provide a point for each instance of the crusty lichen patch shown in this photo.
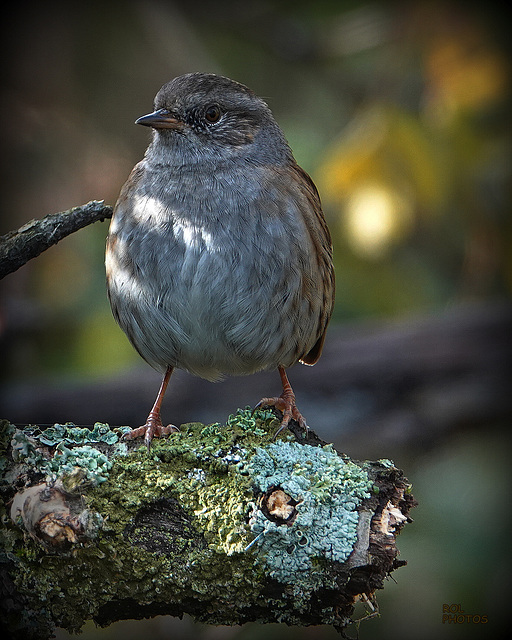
(324, 491)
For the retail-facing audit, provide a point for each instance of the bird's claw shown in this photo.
(286, 405)
(152, 429)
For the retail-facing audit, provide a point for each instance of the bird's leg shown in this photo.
(285, 403)
(154, 427)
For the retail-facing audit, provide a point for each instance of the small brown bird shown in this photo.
(219, 259)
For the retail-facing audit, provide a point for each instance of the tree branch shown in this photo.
(224, 523)
(34, 237)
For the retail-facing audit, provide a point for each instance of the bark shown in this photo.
(225, 523)
(34, 237)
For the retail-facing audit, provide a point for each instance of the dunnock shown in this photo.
(219, 260)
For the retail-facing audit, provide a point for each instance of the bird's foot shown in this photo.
(286, 404)
(152, 429)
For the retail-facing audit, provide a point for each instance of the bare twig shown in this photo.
(34, 237)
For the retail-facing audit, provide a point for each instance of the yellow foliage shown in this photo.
(387, 145)
(380, 174)
(464, 73)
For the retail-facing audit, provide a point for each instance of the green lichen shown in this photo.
(203, 467)
(6, 433)
(246, 421)
(327, 490)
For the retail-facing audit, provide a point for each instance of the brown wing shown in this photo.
(321, 239)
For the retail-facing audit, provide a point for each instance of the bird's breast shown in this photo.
(208, 282)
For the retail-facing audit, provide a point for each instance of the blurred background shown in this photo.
(400, 111)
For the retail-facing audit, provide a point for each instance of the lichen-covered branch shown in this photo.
(219, 521)
(34, 237)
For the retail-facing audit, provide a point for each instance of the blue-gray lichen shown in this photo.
(67, 457)
(326, 491)
(70, 434)
(65, 461)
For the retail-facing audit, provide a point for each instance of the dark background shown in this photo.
(400, 112)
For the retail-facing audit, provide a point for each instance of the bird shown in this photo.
(218, 255)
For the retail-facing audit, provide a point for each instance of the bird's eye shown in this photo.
(212, 113)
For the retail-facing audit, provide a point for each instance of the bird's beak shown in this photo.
(160, 119)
